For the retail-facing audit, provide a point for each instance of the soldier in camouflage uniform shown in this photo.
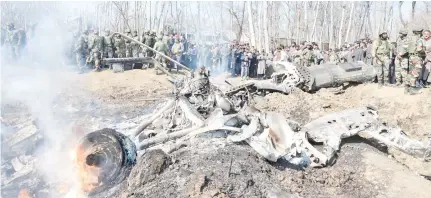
(381, 52)
(416, 59)
(81, 49)
(14, 41)
(167, 39)
(297, 55)
(402, 58)
(119, 47)
(161, 47)
(96, 50)
(135, 47)
(177, 50)
(108, 50)
(333, 57)
(146, 40)
(128, 43)
(307, 55)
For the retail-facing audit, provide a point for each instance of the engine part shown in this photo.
(104, 159)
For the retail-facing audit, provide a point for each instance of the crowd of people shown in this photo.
(405, 62)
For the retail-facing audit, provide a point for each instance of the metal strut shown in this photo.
(155, 51)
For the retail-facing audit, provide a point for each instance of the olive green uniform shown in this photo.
(402, 60)
(381, 51)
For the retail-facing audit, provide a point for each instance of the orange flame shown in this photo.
(24, 193)
(88, 175)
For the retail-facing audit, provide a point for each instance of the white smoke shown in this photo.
(36, 81)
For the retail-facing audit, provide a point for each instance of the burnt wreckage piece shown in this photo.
(287, 75)
(104, 159)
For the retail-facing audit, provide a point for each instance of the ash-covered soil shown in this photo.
(216, 168)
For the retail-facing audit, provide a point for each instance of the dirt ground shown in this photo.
(211, 167)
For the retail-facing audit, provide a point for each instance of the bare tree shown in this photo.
(413, 10)
(265, 26)
(250, 23)
(340, 32)
(315, 20)
(239, 20)
(350, 21)
(331, 27)
(400, 4)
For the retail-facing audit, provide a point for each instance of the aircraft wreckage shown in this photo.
(105, 157)
(198, 107)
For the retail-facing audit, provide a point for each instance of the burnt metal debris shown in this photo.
(104, 159)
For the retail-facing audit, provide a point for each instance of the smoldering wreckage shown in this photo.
(199, 107)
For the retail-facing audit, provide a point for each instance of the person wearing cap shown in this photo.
(307, 55)
(416, 51)
(381, 52)
(119, 46)
(426, 78)
(402, 58)
(96, 50)
(177, 50)
(80, 49)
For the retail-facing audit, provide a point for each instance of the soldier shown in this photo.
(427, 41)
(297, 55)
(333, 57)
(96, 50)
(402, 58)
(14, 41)
(108, 50)
(135, 47)
(119, 47)
(90, 39)
(167, 39)
(148, 42)
(381, 52)
(161, 47)
(80, 49)
(417, 56)
(128, 43)
(307, 55)
(369, 54)
(177, 51)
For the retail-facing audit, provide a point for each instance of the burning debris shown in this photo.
(104, 159)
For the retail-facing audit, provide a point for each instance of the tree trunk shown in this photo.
(385, 26)
(340, 32)
(400, 4)
(315, 20)
(370, 28)
(306, 20)
(323, 25)
(331, 27)
(259, 26)
(250, 23)
(298, 22)
(350, 22)
(413, 10)
(265, 25)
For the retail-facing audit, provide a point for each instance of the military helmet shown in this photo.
(417, 29)
(134, 31)
(403, 32)
(107, 31)
(383, 32)
(127, 31)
